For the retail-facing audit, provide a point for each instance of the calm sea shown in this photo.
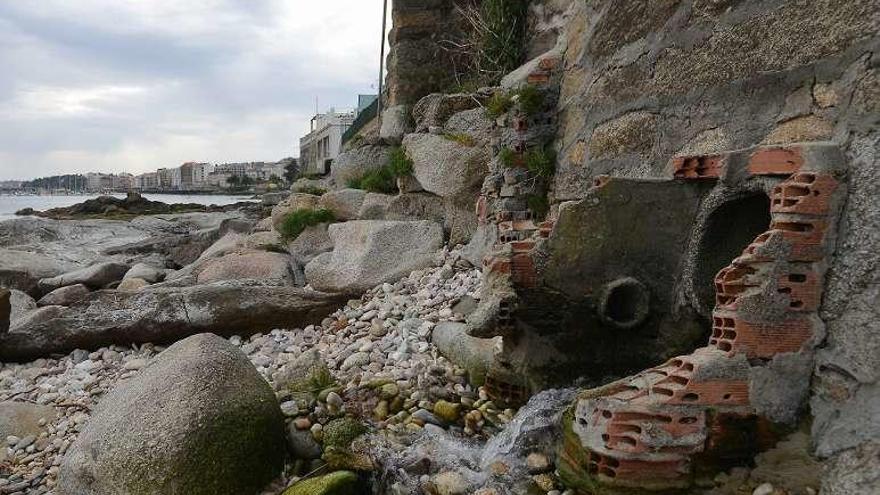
(10, 204)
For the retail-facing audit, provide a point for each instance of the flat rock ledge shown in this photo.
(162, 315)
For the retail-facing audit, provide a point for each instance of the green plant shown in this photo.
(398, 163)
(381, 180)
(541, 162)
(507, 157)
(461, 138)
(298, 220)
(384, 179)
(530, 99)
(498, 104)
(538, 205)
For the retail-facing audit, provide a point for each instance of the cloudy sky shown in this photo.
(134, 85)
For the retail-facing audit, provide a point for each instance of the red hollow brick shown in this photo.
(776, 161)
(697, 167)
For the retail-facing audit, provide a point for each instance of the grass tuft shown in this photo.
(298, 220)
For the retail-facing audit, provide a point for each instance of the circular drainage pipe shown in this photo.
(624, 303)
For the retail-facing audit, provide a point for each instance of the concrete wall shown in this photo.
(648, 79)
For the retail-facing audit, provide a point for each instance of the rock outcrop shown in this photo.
(65, 296)
(367, 253)
(267, 267)
(94, 277)
(344, 203)
(146, 272)
(198, 420)
(445, 167)
(23, 270)
(163, 314)
(354, 163)
(296, 201)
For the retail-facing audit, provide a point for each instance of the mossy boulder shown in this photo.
(199, 420)
(338, 483)
(342, 450)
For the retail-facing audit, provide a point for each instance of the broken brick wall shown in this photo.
(650, 80)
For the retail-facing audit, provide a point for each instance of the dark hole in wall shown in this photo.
(730, 228)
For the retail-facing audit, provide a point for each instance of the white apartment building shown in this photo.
(322, 144)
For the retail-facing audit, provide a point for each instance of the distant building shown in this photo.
(321, 145)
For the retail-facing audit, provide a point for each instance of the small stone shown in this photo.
(450, 483)
(545, 482)
(447, 410)
(538, 463)
(317, 431)
(499, 468)
(427, 417)
(357, 359)
(764, 489)
(334, 400)
(388, 391)
(135, 364)
(302, 423)
(290, 408)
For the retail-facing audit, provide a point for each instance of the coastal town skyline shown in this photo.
(209, 81)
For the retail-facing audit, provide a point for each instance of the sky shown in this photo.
(135, 85)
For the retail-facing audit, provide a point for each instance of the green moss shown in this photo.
(339, 433)
(538, 205)
(461, 138)
(541, 162)
(498, 104)
(338, 483)
(384, 179)
(507, 157)
(398, 163)
(530, 100)
(296, 221)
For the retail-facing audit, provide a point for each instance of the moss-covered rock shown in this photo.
(338, 483)
(200, 420)
(341, 449)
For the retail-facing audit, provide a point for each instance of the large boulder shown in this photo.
(446, 167)
(23, 270)
(94, 277)
(416, 206)
(296, 201)
(21, 303)
(396, 122)
(344, 203)
(256, 265)
(367, 253)
(354, 163)
(64, 296)
(313, 241)
(163, 314)
(199, 420)
(435, 109)
(375, 206)
(145, 271)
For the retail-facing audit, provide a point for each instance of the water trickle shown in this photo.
(536, 427)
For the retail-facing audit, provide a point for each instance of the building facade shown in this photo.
(321, 145)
